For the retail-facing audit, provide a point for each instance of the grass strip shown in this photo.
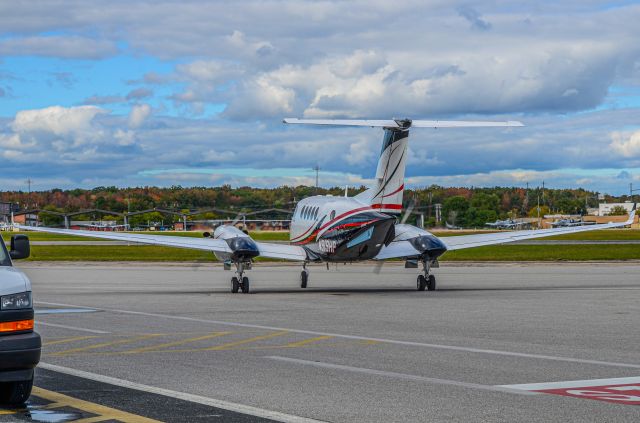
(546, 253)
(44, 236)
(491, 253)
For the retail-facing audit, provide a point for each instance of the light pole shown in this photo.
(631, 191)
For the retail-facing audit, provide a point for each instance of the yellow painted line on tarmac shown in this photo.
(230, 345)
(306, 341)
(64, 341)
(153, 348)
(102, 413)
(370, 342)
(7, 412)
(106, 344)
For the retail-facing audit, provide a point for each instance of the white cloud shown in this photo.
(68, 47)
(626, 144)
(56, 134)
(139, 113)
(377, 59)
(57, 120)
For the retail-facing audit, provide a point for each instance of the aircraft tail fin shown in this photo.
(385, 194)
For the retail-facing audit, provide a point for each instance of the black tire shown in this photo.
(245, 285)
(431, 283)
(15, 393)
(304, 277)
(235, 285)
(421, 283)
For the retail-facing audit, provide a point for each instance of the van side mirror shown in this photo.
(20, 248)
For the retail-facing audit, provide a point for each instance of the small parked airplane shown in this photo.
(571, 222)
(325, 228)
(506, 224)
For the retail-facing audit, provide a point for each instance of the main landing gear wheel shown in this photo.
(235, 285)
(240, 282)
(245, 285)
(431, 283)
(304, 277)
(421, 283)
(426, 279)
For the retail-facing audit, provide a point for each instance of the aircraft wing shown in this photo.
(405, 249)
(470, 241)
(270, 250)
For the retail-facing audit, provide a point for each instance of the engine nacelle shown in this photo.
(243, 247)
(429, 245)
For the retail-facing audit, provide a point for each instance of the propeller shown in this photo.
(239, 216)
(378, 267)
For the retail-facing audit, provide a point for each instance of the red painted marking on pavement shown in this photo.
(618, 394)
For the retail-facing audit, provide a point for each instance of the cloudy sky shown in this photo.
(189, 92)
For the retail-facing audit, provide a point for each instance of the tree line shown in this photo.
(461, 206)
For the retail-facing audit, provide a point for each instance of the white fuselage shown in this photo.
(314, 215)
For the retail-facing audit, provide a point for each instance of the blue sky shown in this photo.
(193, 92)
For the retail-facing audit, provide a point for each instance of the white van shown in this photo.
(19, 344)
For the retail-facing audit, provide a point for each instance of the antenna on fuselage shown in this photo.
(346, 191)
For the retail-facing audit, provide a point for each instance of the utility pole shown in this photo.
(29, 195)
(631, 191)
(539, 221)
(526, 200)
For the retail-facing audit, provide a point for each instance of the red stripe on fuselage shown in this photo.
(396, 191)
(343, 215)
(305, 232)
(387, 206)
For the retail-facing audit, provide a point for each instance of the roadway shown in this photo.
(355, 346)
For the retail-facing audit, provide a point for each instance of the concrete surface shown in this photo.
(355, 346)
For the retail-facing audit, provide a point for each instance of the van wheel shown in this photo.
(15, 393)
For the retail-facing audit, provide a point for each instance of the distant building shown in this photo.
(605, 208)
(6, 209)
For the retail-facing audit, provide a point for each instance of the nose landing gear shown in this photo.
(240, 282)
(427, 280)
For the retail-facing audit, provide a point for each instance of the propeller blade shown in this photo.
(237, 219)
(407, 213)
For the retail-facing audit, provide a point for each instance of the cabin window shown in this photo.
(332, 215)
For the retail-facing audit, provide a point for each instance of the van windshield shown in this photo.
(4, 255)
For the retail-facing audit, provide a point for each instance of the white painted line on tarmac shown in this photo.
(365, 338)
(568, 384)
(65, 310)
(403, 376)
(226, 405)
(55, 325)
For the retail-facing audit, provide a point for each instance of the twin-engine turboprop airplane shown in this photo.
(348, 229)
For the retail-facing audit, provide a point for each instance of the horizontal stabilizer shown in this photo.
(404, 123)
(461, 123)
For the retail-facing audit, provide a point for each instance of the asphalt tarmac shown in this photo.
(354, 346)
